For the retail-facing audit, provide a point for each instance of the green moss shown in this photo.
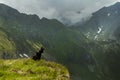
(27, 69)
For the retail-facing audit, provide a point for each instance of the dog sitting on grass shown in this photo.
(38, 54)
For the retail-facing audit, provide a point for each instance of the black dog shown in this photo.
(38, 54)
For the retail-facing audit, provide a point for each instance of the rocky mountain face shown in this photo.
(103, 24)
(103, 28)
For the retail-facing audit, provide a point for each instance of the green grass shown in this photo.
(5, 43)
(27, 69)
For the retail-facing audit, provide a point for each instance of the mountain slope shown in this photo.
(62, 44)
(104, 24)
(103, 31)
(6, 46)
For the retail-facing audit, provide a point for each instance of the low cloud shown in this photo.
(67, 11)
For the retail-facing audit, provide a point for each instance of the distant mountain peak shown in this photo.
(6, 10)
(4, 6)
(113, 9)
(117, 3)
(44, 19)
(51, 20)
(1, 4)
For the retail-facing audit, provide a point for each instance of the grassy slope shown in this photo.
(27, 69)
(6, 44)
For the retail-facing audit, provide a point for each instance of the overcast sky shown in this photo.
(69, 10)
